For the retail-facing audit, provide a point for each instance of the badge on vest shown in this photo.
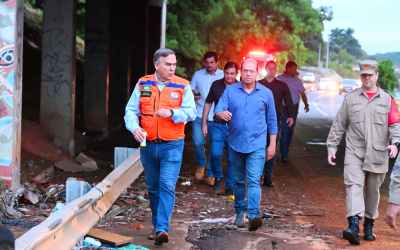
(174, 95)
(144, 93)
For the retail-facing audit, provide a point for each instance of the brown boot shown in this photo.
(210, 181)
(200, 172)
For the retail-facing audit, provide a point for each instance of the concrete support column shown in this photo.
(57, 105)
(11, 41)
(96, 66)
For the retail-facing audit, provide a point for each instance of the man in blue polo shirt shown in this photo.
(249, 109)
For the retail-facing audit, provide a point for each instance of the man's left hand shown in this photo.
(164, 113)
(270, 152)
(290, 121)
(307, 108)
(392, 212)
(392, 151)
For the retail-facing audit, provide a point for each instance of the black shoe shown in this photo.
(284, 159)
(161, 237)
(228, 191)
(255, 223)
(368, 229)
(268, 184)
(352, 233)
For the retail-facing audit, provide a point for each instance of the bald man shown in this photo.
(249, 109)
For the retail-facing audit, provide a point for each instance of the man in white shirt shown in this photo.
(201, 83)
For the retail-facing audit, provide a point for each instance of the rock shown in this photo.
(87, 162)
(231, 227)
(69, 165)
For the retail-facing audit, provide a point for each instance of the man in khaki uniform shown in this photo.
(363, 116)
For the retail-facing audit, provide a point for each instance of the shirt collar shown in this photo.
(258, 85)
(378, 92)
(213, 74)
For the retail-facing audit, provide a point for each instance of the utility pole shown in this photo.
(163, 23)
(327, 54)
(319, 55)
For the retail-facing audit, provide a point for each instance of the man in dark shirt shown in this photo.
(283, 101)
(218, 130)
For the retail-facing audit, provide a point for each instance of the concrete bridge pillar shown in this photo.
(57, 105)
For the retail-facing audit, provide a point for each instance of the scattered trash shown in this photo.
(31, 196)
(75, 188)
(214, 220)
(141, 198)
(186, 183)
(114, 239)
(91, 242)
(45, 176)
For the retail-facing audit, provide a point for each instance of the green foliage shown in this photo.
(233, 27)
(343, 39)
(387, 78)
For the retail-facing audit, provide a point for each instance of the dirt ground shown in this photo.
(305, 208)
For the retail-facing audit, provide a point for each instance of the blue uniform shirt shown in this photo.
(253, 116)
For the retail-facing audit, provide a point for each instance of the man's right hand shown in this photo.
(139, 134)
(332, 159)
(392, 212)
(224, 115)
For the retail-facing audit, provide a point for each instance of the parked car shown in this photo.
(350, 84)
(329, 84)
(309, 80)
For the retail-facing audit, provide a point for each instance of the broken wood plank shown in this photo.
(108, 237)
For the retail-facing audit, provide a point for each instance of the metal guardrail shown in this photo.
(64, 228)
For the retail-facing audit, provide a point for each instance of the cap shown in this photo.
(368, 67)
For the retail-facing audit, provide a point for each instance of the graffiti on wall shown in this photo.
(7, 81)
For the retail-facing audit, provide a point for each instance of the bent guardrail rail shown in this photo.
(64, 228)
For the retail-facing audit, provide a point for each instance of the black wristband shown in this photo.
(172, 112)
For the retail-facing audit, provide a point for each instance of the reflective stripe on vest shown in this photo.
(151, 100)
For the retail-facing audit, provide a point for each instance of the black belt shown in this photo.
(156, 141)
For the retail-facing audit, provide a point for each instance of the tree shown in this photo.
(233, 27)
(387, 77)
(344, 39)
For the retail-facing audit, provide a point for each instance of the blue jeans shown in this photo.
(286, 135)
(162, 163)
(218, 134)
(248, 167)
(199, 142)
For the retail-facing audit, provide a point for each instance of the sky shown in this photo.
(376, 23)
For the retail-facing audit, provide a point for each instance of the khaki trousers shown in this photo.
(362, 188)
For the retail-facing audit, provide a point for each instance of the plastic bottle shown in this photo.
(143, 143)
